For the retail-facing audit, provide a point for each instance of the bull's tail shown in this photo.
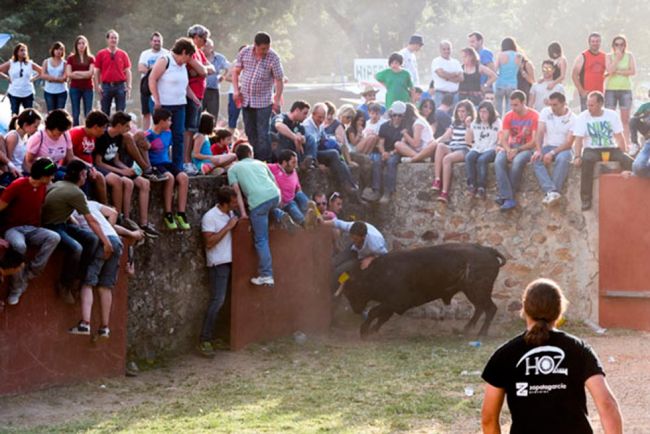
(499, 256)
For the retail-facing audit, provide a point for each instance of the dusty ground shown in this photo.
(625, 356)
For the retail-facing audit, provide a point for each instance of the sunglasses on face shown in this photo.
(619, 44)
(321, 203)
(396, 115)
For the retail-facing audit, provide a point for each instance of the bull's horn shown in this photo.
(340, 290)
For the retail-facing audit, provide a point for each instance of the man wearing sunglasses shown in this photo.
(20, 205)
(113, 74)
(540, 92)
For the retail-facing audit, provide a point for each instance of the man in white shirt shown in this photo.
(553, 144)
(145, 63)
(410, 62)
(447, 73)
(600, 132)
(541, 92)
(216, 227)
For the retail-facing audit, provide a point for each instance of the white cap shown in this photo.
(398, 108)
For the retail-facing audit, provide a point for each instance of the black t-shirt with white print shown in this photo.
(108, 147)
(545, 385)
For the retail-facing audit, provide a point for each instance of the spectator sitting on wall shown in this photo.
(641, 164)
(20, 128)
(642, 115)
(293, 200)
(78, 244)
(369, 95)
(483, 137)
(53, 142)
(159, 139)
(108, 160)
(417, 141)
(221, 145)
(102, 271)
(253, 179)
(21, 204)
(203, 158)
(361, 140)
(216, 227)
(11, 262)
(396, 80)
(320, 199)
(287, 131)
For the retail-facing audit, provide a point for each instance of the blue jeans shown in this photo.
(641, 165)
(178, 129)
(218, 277)
(16, 102)
(55, 101)
(508, 179)
(112, 92)
(296, 208)
(561, 164)
(439, 95)
(502, 99)
(192, 116)
(476, 166)
(256, 124)
(79, 245)
(76, 96)
(259, 217)
(233, 112)
(389, 169)
(330, 158)
(44, 240)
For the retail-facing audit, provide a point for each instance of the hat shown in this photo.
(398, 108)
(416, 39)
(368, 89)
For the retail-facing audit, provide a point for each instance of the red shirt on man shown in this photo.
(112, 65)
(521, 128)
(198, 83)
(83, 145)
(25, 202)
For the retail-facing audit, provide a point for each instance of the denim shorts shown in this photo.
(144, 104)
(104, 273)
(622, 97)
(192, 116)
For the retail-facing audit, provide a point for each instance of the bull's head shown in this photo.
(355, 290)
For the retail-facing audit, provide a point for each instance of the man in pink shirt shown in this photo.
(292, 199)
(113, 74)
(198, 69)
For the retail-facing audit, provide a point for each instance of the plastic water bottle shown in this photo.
(475, 344)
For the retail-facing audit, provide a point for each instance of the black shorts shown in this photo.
(166, 168)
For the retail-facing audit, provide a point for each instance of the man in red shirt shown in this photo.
(198, 69)
(113, 74)
(20, 205)
(83, 145)
(517, 143)
(589, 70)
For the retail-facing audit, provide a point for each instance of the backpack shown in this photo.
(144, 81)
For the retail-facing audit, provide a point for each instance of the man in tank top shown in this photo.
(589, 70)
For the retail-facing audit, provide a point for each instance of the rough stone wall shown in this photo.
(559, 243)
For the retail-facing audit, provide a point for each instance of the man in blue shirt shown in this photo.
(475, 40)
(221, 64)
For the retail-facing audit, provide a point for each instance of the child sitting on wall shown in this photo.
(203, 155)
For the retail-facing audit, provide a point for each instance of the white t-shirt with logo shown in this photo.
(149, 57)
(213, 221)
(410, 63)
(541, 92)
(450, 65)
(485, 136)
(373, 128)
(557, 127)
(598, 131)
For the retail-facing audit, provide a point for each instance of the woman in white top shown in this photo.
(21, 73)
(21, 127)
(169, 87)
(55, 76)
(482, 137)
(455, 150)
(417, 137)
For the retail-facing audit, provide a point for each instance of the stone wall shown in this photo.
(168, 295)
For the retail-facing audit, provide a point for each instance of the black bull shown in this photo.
(404, 279)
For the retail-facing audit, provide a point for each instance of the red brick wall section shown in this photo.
(624, 252)
(301, 297)
(35, 349)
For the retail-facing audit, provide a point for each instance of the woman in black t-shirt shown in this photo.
(543, 373)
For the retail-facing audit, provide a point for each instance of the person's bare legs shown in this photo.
(135, 151)
(187, 146)
(127, 185)
(447, 170)
(183, 184)
(168, 192)
(86, 302)
(106, 299)
(404, 150)
(99, 184)
(426, 152)
(143, 186)
(114, 181)
(441, 151)
(367, 144)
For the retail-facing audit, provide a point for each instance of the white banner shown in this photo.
(365, 69)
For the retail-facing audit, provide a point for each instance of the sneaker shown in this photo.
(206, 350)
(14, 298)
(551, 198)
(367, 193)
(471, 191)
(182, 224)
(405, 160)
(444, 197)
(586, 204)
(263, 281)
(288, 224)
(437, 185)
(170, 222)
(129, 224)
(156, 175)
(499, 201)
(480, 193)
(150, 230)
(508, 204)
(190, 169)
(104, 333)
(633, 149)
(385, 199)
(80, 329)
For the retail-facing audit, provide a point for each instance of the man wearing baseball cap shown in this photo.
(408, 54)
(369, 94)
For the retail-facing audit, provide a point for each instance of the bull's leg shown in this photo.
(472, 321)
(383, 316)
(490, 311)
(372, 315)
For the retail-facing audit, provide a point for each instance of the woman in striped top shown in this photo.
(455, 150)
